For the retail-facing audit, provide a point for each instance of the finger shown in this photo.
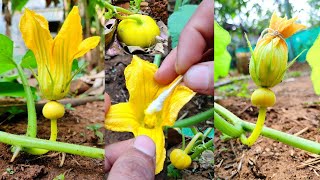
(196, 37)
(114, 151)
(107, 102)
(200, 78)
(167, 73)
(137, 163)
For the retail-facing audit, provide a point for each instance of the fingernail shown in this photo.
(145, 145)
(197, 77)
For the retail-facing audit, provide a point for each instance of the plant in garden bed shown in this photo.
(267, 68)
(54, 59)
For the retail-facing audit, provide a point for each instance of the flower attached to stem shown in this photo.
(151, 106)
(55, 56)
(268, 65)
(269, 58)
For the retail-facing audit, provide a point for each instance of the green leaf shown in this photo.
(178, 20)
(69, 107)
(9, 78)
(29, 60)
(13, 89)
(17, 5)
(222, 58)
(59, 177)
(313, 58)
(6, 54)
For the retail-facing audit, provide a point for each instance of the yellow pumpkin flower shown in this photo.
(150, 106)
(55, 56)
(269, 59)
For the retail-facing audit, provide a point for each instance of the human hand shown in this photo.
(195, 47)
(130, 159)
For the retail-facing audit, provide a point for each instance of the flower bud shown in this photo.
(269, 64)
(269, 60)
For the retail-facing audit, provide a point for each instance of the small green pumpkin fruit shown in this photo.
(138, 30)
(180, 159)
(53, 110)
(263, 97)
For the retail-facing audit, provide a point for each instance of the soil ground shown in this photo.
(72, 129)
(296, 111)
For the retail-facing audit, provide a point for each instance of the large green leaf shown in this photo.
(29, 60)
(6, 54)
(178, 20)
(17, 5)
(222, 58)
(313, 58)
(13, 89)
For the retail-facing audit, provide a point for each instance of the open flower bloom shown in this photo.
(269, 60)
(135, 116)
(55, 56)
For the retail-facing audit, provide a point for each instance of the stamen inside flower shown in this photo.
(157, 104)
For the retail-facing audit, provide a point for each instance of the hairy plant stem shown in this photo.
(30, 142)
(194, 119)
(32, 116)
(234, 122)
(191, 143)
(53, 137)
(257, 129)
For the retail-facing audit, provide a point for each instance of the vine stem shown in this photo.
(280, 136)
(32, 116)
(194, 119)
(191, 143)
(29, 142)
(157, 60)
(205, 146)
(116, 8)
(53, 137)
(257, 129)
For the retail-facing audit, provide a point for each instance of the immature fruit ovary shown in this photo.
(141, 31)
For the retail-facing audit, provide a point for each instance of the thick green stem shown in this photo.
(30, 142)
(157, 59)
(191, 143)
(199, 151)
(227, 128)
(285, 138)
(177, 5)
(257, 130)
(116, 8)
(194, 119)
(139, 20)
(32, 116)
(53, 137)
(183, 140)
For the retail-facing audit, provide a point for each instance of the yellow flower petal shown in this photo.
(144, 90)
(285, 27)
(141, 85)
(86, 45)
(68, 39)
(158, 138)
(173, 104)
(121, 117)
(36, 35)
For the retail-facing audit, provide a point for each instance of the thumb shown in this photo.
(138, 162)
(199, 78)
